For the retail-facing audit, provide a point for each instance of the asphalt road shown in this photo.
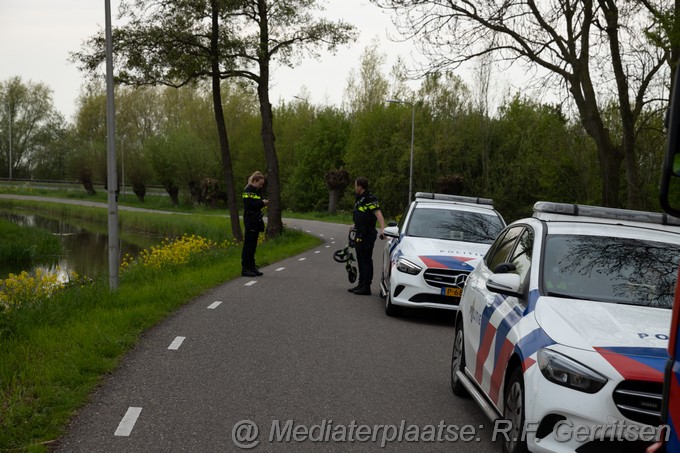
(314, 367)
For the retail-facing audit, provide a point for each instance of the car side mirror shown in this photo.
(506, 284)
(504, 268)
(391, 223)
(391, 231)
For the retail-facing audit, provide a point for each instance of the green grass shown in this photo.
(157, 201)
(53, 353)
(344, 217)
(21, 245)
(215, 226)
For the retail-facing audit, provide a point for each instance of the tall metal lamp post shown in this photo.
(9, 127)
(413, 127)
(112, 177)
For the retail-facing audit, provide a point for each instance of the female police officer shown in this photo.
(253, 223)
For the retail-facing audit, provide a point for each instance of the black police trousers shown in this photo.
(364, 249)
(248, 252)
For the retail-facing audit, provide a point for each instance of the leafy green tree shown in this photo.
(165, 165)
(50, 159)
(320, 150)
(88, 162)
(29, 125)
(379, 149)
(369, 88)
(534, 158)
(139, 116)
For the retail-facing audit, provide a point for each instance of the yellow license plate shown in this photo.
(453, 292)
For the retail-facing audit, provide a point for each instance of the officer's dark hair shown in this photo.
(362, 182)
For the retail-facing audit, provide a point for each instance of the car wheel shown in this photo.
(513, 412)
(458, 361)
(390, 308)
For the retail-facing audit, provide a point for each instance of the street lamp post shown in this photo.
(413, 127)
(122, 162)
(112, 183)
(9, 127)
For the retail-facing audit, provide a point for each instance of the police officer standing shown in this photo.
(253, 223)
(366, 211)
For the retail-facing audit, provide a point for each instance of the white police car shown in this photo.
(563, 326)
(438, 241)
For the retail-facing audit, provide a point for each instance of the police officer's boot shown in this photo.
(364, 290)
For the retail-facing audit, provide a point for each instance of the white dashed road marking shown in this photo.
(214, 305)
(318, 251)
(128, 422)
(302, 259)
(251, 283)
(279, 269)
(176, 343)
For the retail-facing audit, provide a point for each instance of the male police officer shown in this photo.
(366, 211)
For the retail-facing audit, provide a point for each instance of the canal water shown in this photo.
(84, 245)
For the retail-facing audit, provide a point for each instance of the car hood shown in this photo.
(631, 338)
(442, 254)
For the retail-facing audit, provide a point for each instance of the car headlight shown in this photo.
(562, 370)
(406, 266)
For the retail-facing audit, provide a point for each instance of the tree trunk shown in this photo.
(222, 129)
(274, 222)
(628, 117)
(333, 198)
(173, 193)
(609, 156)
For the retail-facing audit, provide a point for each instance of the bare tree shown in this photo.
(598, 51)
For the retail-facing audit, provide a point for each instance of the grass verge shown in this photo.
(54, 352)
(20, 245)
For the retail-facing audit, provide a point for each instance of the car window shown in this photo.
(402, 220)
(454, 225)
(521, 255)
(610, 269)
(500, 250)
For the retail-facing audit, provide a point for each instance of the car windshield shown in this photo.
(454, 225)
(611, 269)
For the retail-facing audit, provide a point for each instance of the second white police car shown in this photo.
(438, 241)
(562, 328)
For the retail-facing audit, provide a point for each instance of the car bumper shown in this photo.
(559, 419)
(412, 291)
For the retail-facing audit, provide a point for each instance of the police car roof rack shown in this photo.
(459, 198)
(603, 213)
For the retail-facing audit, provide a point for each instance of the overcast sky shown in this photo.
(36, 37)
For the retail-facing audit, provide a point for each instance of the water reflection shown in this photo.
(84, 246)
